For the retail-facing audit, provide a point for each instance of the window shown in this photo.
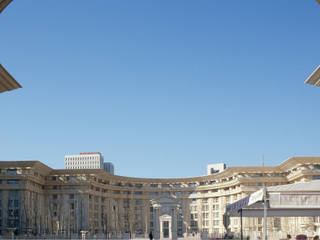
(215, 200)
(13, 181)
(153, 185)
(10, 213)
(194, 223)
(164, 185)
(205, 215)
(277, 222)
(71, 196)
(13, 203)
(212, 171)
(12, 171)
(13, 194)
(317, 166)
(205, 223)
(16, 213)
(177, 185)
(193, 208)
(205, 208)
(10, 203)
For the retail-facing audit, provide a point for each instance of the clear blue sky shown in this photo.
(160, 88)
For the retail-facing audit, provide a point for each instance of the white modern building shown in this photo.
(87, 160)
(215, 168)
(108, 167)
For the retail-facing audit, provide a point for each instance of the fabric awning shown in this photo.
(291, 200)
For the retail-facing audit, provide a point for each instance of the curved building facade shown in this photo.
(36, 199)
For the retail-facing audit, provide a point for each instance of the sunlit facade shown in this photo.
(36, 199)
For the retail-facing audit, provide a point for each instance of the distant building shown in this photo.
(108, 167)
(84, 161)
(215, 168)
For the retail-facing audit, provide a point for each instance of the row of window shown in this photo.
(82, 158)
(10, 181)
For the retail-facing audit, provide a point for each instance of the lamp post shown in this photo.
(265, 217)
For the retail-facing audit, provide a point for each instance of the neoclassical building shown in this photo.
(36, 199)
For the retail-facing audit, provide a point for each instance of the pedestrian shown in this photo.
(316, 237)
(150, 235)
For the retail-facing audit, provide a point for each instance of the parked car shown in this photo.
(301, 237)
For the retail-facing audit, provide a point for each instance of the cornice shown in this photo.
(4, 4)
(227, 173)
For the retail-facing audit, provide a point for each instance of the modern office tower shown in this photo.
(215, 168)
(108, 167)
(86, 160)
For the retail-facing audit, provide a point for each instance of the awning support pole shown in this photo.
(265, 213)
(241, 229)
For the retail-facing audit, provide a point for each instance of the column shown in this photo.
(170, 228)
(161, 228)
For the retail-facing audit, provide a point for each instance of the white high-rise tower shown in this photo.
(84, 160)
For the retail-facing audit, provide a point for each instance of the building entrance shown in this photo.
(165, 218)
(165, 229)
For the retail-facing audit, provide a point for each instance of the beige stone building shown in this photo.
(36, 199)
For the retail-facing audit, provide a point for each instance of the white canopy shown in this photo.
(299, 199)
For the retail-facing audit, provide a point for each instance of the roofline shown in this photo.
(4, 4)
(7, 82)
(314, 78)
(285, 165)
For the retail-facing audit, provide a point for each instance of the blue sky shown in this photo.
(160, 88)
